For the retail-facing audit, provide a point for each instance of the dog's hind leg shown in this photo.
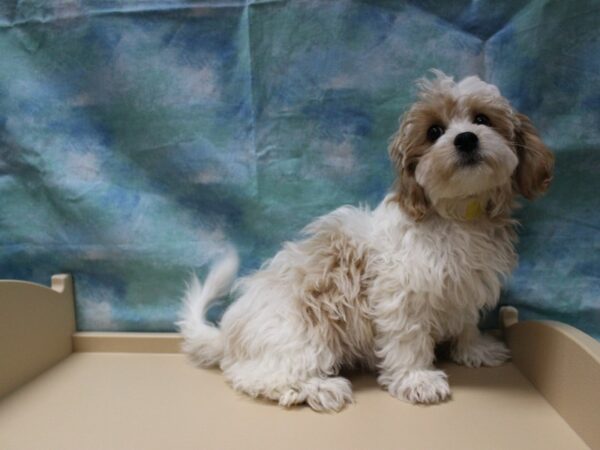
(288, 387)
(321, 394)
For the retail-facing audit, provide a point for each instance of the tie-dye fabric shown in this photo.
(138, 138)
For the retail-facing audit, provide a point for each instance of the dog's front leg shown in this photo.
(474, 349)
(406, 353)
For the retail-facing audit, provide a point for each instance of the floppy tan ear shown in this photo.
(409, 194)
(536, 163)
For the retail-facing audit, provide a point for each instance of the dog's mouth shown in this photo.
(470, 160)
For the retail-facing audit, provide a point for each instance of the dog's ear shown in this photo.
(536, 163)
(409, 194)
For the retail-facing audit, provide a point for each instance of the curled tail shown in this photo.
(202, 341)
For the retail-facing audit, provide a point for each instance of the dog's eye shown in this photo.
(434, 132)
(482, 119)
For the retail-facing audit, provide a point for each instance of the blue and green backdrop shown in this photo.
(139, 137)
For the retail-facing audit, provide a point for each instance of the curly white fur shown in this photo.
(374, 288)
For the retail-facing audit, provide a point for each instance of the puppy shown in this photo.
(380, 288)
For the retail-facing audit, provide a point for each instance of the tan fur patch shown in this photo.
(409, 144)
(334, 289)
(536, 163)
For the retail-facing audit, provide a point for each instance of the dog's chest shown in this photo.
(454, 266)
(459, 254)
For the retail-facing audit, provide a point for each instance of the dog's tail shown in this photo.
(203, 342)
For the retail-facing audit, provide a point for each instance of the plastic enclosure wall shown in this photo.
(563, 364)
(36, 328)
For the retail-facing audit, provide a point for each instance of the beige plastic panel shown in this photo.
(36, 324)
(87, 341)
(118, 391)
(564, 365)
(128, 401)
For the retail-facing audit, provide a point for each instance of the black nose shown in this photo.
(466, 142)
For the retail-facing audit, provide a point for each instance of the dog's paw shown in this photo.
(321, 394)
(421, 386)
(291, 397)
(329, 394)
(483, 351)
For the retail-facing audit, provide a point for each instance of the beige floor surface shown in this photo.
(113, 401)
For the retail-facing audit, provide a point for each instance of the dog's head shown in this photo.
(463, 140)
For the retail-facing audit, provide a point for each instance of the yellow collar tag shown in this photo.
(473, 210)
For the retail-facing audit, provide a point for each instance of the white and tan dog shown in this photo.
(380, 288)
